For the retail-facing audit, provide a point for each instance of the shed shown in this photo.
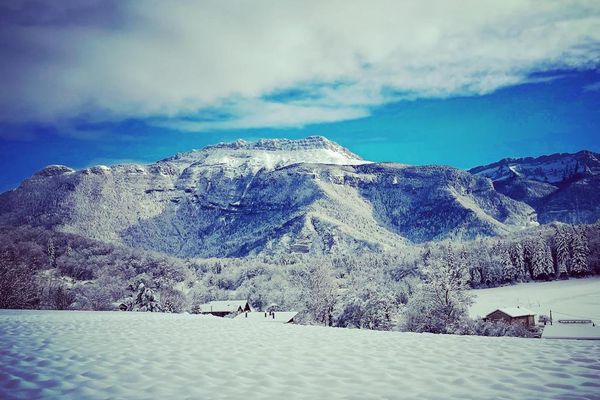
(282, 317)
(581, 331)
(224, 307)
(513, 315)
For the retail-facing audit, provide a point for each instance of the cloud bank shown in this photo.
(212, 65)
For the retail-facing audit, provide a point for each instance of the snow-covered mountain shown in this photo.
(240, 198)
(561, 187)
(268, 154)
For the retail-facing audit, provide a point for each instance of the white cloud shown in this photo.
(259, 114)
(171, 59)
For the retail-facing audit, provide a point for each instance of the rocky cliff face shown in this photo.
(273, 196)
(561, 187)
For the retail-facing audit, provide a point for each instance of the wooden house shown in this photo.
(224, 307)
(513, 315)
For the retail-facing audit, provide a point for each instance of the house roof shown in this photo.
(223, 306)
(514, 311)
(280, 316)
(571, 331)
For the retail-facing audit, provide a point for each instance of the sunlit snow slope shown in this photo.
(99, 355)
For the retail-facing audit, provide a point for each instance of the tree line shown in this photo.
(418, 288)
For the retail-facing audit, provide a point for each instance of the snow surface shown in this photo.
(573, 298)
(96, 355)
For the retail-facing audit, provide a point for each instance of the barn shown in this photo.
(513, 315)
(224, 307)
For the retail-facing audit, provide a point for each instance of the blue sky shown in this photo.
(442, 82)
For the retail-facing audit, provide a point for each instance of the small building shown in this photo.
(513, 315)
(223, 308)
(582, 329)
(282, 317)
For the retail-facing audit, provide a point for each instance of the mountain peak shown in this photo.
(271, 153)
(308, 143)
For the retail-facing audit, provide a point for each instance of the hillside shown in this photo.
(271, 196)
(560, 187)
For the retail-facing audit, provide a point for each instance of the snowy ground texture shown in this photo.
(88, 355)
(573, 298)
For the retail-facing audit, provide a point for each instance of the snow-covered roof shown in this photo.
(278, 316)
(514, 311)
(571, 331)
(223, 306)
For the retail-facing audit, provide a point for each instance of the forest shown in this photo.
(422, 288)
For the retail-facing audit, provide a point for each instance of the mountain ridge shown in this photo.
(270, 196)
(561, 187)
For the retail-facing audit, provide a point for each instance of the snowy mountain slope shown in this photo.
(561, 187)
(250, 157)
(240, 198)
(435, 202)
(554, 169)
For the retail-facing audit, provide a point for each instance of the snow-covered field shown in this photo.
(112, 355)
(573, 298)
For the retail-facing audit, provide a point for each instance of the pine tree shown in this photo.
(580, 252)
(539, 257)
(509, 271)
(563, 252)
(69, 250)
(528, 257)
(517, 258)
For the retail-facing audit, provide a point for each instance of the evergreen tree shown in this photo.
(517, 258)
(508, 270)
(580, 252)
(146, 299)
(563, 251)
(540, 259)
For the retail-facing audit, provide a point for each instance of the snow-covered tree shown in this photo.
(517, 257)
(320, 294)
(18, 287)
(508, 271)
(563, 251)
(474, 276)
(580, 252)
(539, 258)
(146, 299)
(51, 252)
(368, 301)
(443, 298)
